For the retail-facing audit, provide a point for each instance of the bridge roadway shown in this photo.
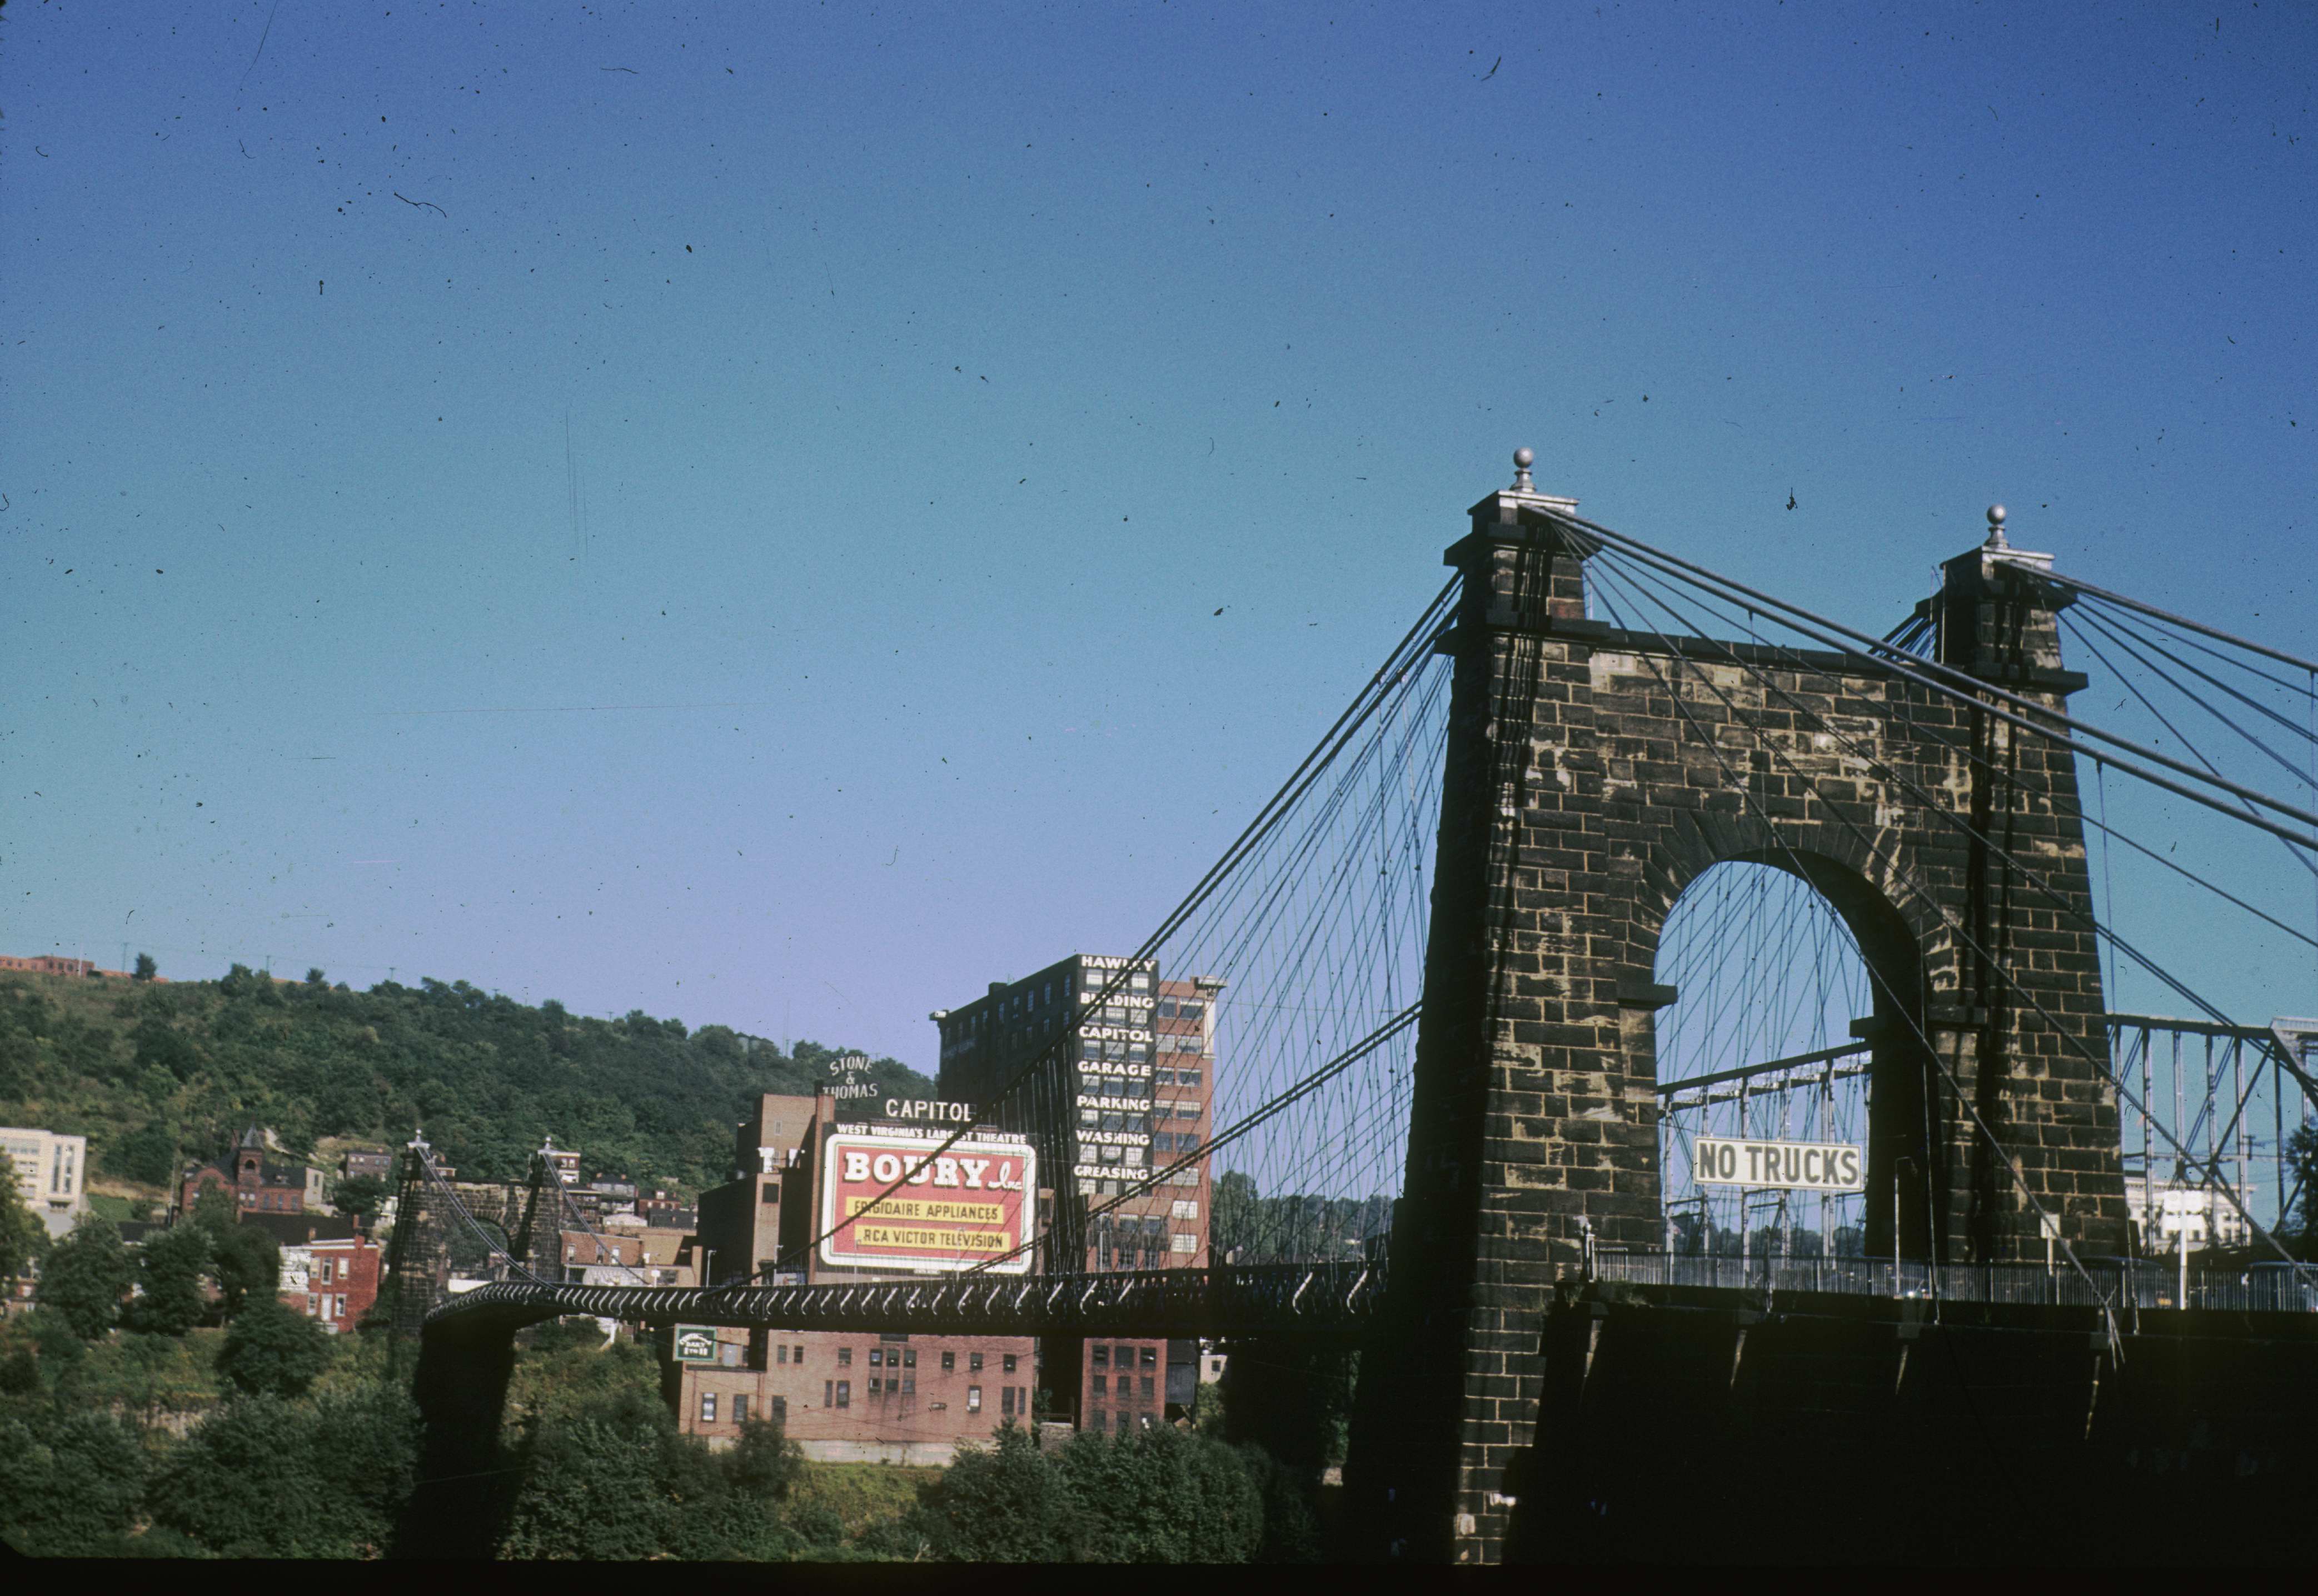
(1329, 1300)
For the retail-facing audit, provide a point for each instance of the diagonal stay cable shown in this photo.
(1275, 1106)
(1414, 648)
(2137, 639)
(2182, 737)
(1945, 679)
(2151, 611)
(1998, 965)
(1898, 1006)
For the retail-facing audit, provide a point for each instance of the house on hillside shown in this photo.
(333, 1280)
(258, 1182)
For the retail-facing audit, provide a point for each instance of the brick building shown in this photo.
(842, 1396)
(1142, 1070)
(258, 1182)
(333, 1280)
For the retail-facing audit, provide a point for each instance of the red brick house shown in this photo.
(333, 1280)
(259, 1184)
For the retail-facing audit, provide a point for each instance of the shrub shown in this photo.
(85, 1278)
(273, 1350)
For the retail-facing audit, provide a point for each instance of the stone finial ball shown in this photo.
(1525, 458)
(1996, 515)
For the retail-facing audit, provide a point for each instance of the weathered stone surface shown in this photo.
(1592, 776)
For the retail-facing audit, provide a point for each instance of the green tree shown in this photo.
(273, 1350)
(249, 1268)
(244, 1482)
(146, 968)
(86, 1277)
(69, 1486)
(1163, 1495)
(1008, 1504)
(147, 1154)
(592, 1487)
(170, 1267)
(216, 1210)
(2301, 1153)
(366, 1457)
(1232, 1214)
(23, 1239)
(360, 1196)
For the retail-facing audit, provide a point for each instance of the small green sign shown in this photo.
(695, 1343)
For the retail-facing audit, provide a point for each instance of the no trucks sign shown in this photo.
(1792, 1166)
(954, 1209)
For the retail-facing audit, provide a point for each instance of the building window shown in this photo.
(1150, 1357)
(1102, 1384)
(340, 1312)
(949, 1362)
(828, 1395)
(1187, 1078)
(740, 1410)
(844, 1394)
(1185, 1208)
(1102, 1358)
(876, 1384)
(799, 1356)
(1097, 1419)
(974, 1363)
(780, 1410)
(1010, 1362)
(845, 1357)
(708, 1407)
(876, 1356)
(908, 1384)
(909, 1358)
(973, 1398)
(1006, 1402)
(781, 1353)
(1145, 1388)
(1184, 1243)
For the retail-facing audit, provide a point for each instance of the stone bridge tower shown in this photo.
(1592, 774)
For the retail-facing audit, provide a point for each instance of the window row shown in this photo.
(1182, 1009)
(1176, 1077)
(1096, 1421)
(1097, 1386)
(1102, 1355)
(777, 1408)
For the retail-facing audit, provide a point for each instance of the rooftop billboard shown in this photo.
(957, 1208)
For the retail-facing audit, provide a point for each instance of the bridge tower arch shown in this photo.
(1904, 1128)
(1591, 773)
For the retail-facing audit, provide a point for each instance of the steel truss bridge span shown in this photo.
(1334, 1299)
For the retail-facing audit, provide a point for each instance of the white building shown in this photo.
(2170, 1211)
(49, 1169)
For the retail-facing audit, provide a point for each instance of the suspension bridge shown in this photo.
(1614, 864)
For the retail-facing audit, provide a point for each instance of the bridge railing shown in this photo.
(1324, 1298)
(2263, 1289)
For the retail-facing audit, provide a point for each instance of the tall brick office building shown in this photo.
(1141, 1072)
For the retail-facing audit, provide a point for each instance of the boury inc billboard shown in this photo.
(954, 1209)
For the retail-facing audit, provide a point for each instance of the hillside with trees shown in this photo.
(155, 1073)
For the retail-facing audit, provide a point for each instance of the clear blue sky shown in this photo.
(724, 510)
